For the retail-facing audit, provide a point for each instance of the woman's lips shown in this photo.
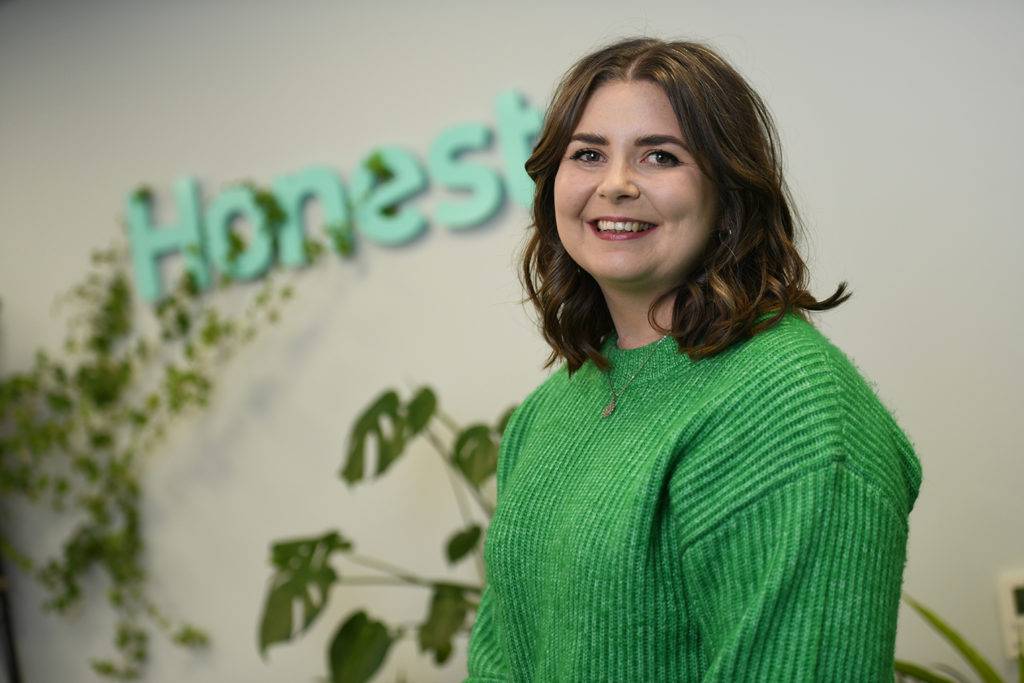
(617, 236)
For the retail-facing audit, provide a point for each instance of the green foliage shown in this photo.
(448, 610)
(358, 649)
(74, 431)
(303, 576)
(385, 429)
(463, 542)
(390, 424)
(985, 671)
(476, 453)
(381, 174)
(341, 236)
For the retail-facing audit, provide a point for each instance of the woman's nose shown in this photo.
(618, 182)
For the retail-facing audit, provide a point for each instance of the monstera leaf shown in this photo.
(371, 425)
(303, 575)
(391, 425)
(447, 614)
(358, 649)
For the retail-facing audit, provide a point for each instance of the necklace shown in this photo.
(610, 408)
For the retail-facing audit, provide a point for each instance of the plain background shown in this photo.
(901, 130)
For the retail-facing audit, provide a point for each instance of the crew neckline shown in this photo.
(645, 362)
(650, 360)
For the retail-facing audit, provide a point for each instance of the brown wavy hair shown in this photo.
(750, 266)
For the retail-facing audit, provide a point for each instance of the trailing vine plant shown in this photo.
(76, 429)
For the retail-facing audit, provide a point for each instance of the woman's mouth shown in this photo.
(616, 230)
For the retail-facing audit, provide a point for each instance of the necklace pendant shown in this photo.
(609, 409)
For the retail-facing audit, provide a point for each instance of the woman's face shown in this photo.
(626, 160)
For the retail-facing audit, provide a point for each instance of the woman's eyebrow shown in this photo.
(595, 139)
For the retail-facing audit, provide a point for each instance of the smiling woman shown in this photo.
(730, 505)
(632, 207)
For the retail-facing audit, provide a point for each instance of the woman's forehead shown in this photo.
(632, 109)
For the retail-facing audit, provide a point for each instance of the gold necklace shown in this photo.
(610, 408)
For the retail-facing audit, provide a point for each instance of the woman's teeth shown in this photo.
(623, 226)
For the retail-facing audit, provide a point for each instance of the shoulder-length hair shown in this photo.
(749, 267)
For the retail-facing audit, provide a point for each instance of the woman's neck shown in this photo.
(629, 315)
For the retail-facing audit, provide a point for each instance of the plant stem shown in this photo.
(466, 517)
(405, 576)
(488, 510)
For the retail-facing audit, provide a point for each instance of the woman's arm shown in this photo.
(486, 660)
(803, 583)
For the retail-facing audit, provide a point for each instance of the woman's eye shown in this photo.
(580, 153)
(670, 159)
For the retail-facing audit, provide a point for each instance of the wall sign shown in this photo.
(203, 236)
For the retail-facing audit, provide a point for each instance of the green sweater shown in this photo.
(739, 518)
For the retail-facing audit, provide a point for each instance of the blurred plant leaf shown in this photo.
(476, 453)
(463, 543)
(969, 653)
(302, 572)
(419, 411)
(447, 613)
(371, 424)
(358, 649)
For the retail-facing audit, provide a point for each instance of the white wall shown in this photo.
(901, 128)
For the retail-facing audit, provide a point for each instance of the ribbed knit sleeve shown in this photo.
(802, 584)
(486, 660)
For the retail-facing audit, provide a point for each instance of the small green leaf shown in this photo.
(189, 283)
(358, 649)
(143, 193)
(313, 249)
(476, 453)
(419, 411)
(59, 401)
(447, 614)
(100, 439)
(276, 622)
(236, 246)
(103, 381)
(463, 543)
(375, 164)
(342, 237)
(190, 636)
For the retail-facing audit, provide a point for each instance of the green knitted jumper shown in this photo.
(739, 518)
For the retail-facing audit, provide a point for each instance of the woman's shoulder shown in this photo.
(793, 374)
(793, 349)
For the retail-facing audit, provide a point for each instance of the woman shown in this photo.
(706, 489)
